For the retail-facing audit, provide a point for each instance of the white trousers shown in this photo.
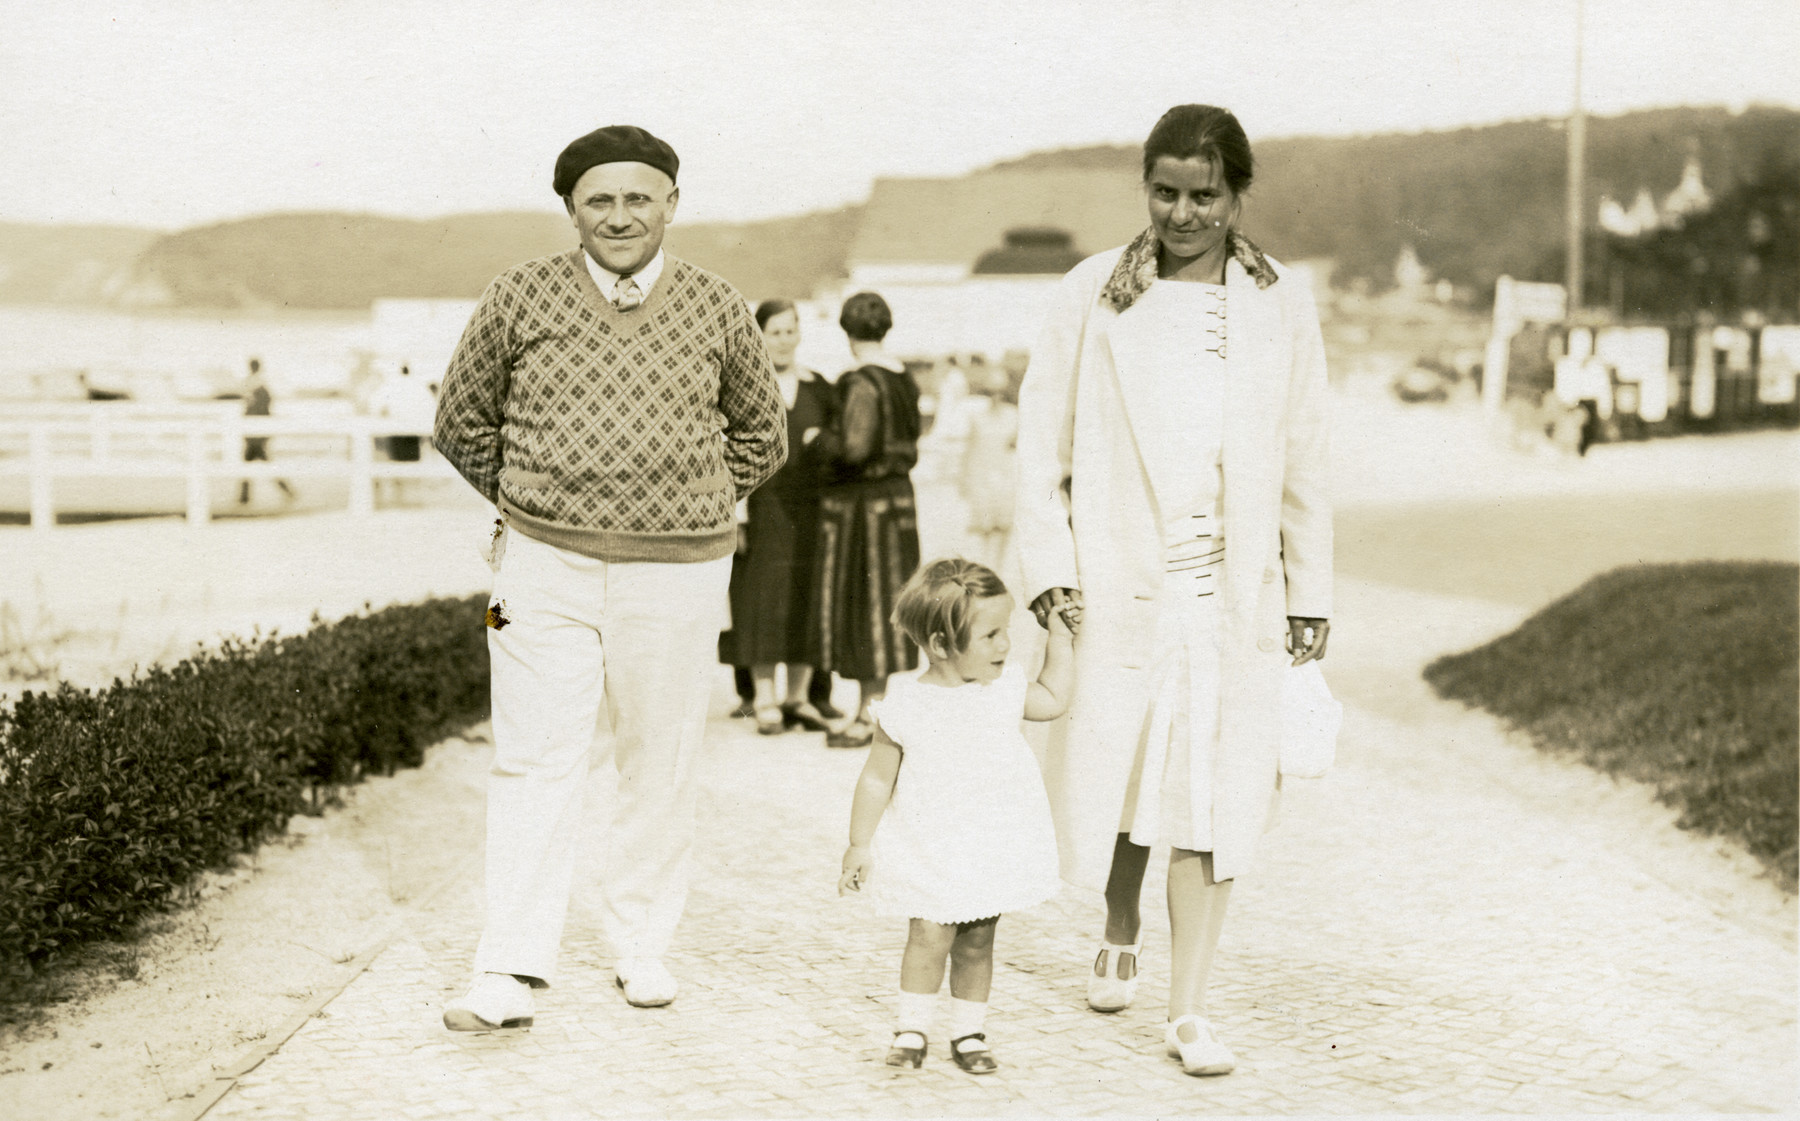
(641, 639)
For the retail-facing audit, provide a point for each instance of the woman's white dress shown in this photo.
(1178, 351)
(968, 834)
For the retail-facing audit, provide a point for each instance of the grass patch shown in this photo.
(1682, 676)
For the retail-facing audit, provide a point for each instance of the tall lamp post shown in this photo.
(1577, 176)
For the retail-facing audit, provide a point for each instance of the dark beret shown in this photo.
(612, 144)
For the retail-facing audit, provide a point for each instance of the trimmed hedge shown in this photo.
(1684, 676)
(112, 800)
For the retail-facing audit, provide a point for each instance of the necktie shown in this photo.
(626, 296)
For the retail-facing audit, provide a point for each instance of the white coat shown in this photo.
(1086, 518)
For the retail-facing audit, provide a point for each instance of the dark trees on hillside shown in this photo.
(1743, 255)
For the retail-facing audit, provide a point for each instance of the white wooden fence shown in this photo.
(200, 447)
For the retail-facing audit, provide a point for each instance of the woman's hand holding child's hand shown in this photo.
(856, 869)
(1059, 601)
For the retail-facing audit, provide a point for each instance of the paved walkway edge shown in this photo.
(197, 1107)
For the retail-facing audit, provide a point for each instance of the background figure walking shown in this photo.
(986, 480)
(408, 402)
(868, 522)
(772, 574)
(258, 402)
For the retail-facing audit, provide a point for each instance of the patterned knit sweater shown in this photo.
(623, 436)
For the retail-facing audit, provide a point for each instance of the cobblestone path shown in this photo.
(1448, 922)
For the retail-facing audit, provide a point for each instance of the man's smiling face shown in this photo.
(620, 210)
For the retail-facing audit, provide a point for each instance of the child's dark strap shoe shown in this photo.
(913, 1057)
(975, 1058)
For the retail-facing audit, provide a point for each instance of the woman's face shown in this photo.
(1191, 207)
(781, 334)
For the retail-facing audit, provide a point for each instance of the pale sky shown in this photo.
(174, 114)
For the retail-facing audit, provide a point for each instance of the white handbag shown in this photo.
(1310, 719)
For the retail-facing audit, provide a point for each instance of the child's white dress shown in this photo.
(968, 833)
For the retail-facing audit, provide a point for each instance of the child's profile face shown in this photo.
(989, 644)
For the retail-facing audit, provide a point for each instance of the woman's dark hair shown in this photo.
(1208, 132)
(769, 309)
(866, 318)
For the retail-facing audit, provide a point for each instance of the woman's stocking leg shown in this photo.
(872, 690)
(762, 678)
(1196, 916)
(799, 683)
(1123, 886)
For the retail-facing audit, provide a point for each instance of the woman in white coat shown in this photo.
(1171, 482)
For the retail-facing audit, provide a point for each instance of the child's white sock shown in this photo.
(915, 1012)
(967, 1018)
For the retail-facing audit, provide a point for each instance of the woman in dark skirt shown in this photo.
(772, 575)
(868, 528)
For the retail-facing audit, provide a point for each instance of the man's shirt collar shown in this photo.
(605, 279)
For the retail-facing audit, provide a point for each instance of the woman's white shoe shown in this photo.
(1205, 1055)
(1114, 981)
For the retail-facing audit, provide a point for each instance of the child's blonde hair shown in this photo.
(938, 598)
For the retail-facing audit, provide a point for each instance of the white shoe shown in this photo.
(646, 982)
(495, 1000)
(1205, 1055)
(1107, 990)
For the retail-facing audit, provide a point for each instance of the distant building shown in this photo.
(420, 333)
(932, 231)
(1689, 198)
(1410, 274)
(968, 264)
(1640, 218)
(1035, 250)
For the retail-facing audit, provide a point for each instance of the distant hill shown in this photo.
(347, 260)
(67, 264)
(313, 260)
(1473, 203)
(786, 257)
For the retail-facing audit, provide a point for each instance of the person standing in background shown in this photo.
(868, 522)
(408, 402)
(258, 401)
(772, 573)
(986, 479)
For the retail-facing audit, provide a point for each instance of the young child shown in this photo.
(966, 832)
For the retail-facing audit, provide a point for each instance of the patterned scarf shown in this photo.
(1136, 269)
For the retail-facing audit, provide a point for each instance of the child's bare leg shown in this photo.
(972, 960)
(927, 948)
(971, 976)
(921, 975)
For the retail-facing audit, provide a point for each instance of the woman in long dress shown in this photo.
(868, 524)
(772, 574)
(1171, 479)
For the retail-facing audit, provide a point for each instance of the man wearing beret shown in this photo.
(614, 403)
